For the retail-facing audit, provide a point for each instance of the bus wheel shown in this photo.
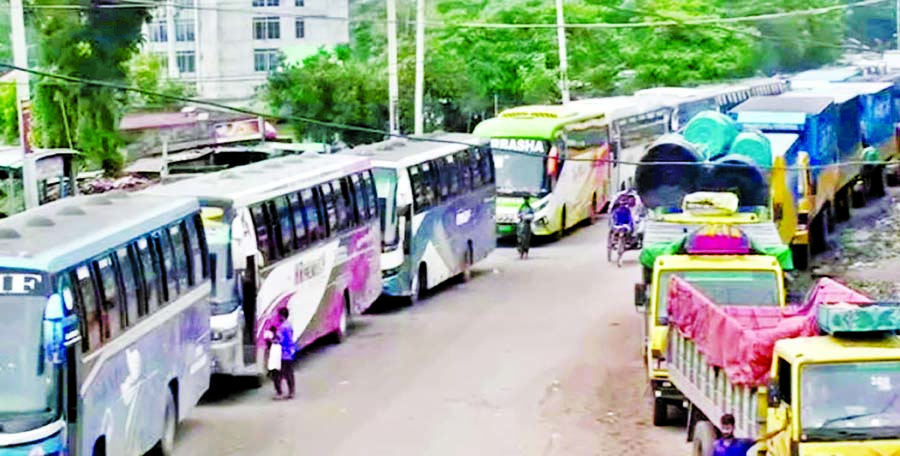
(660, 411)
(344, 321)
(704, 439)
(469, 261)
(592, 217)
(562, 225)
(170, 420)
(419, 285)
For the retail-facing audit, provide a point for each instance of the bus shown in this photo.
(298, 232)
(557, 155)
(437, 196)
(105, 335)
(55, 177)
(634, 124)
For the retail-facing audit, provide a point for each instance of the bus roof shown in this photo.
(406, 152)
(619, 107)
(248, 184)
(807, 104)
(537, 122)
(839, 96)
(825, 349)
(63, 233)
(827, 74)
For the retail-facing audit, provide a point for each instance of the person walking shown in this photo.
(523, 229)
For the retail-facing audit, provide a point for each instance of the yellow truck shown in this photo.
(817, 395)
(747, 264)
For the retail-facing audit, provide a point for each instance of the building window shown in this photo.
(299, 3)
(300, 27)
(266, 59)
(266, 28)
(266, 3)
(158, 32)
(186, 61)
(184, 30)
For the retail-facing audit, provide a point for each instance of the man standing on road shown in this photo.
(288, 350)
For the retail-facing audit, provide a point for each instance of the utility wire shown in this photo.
(338, 126)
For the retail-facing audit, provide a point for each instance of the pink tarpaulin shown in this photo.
(740, 339)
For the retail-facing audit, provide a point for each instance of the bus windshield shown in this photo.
(520, 174)
(727, 288)
(386, 187)
(29, 384)
(218, 238)
(854, 401)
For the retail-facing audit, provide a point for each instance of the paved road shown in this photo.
(536, 357)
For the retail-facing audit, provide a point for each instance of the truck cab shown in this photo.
(835, 395)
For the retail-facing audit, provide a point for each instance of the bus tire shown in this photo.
(100, 447)
(562, 225)
(660, 410)
(592, 216)
(340, 334)
(800, 256)
(170, 421)
(419, 284)
(704, 439)
(468, 262)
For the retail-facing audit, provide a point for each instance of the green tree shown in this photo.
(94, 44)
(5, 30)
(146, 72)
(9, 116)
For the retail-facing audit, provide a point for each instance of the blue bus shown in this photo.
(437, 195)
(104, 344)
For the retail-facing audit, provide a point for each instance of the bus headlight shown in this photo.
(385, 273)
(36, 451)
(542, 221)
(224, 335)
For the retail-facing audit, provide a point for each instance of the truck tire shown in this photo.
(660, 412)
(704, 439)
(800, 255)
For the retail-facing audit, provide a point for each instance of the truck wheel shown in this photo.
(800, 255)
(704, 439)
(660, 412)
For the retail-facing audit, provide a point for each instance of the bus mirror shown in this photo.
(640, 297)
(773, 394)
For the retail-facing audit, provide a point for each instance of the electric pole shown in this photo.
(20, 59)
(170, 40)
(393, 83)
(563, 56)
(420, 66)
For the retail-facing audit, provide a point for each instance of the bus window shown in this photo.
(263, 238)
(129, 282)
(198, 266)
(429, 182)
(465, 173)
(310, 203)
(440, 171)
(346, 196)
(285, 224)
(111, 310)
(164, 250)
(362, 212)
(182, 252)
(91, 330)
(451, 169)
(330, 209)
(273, 225)
(487, 166)
(150, 273)
(475, 166)
(371, 194)
(296, 210)
(415, 179)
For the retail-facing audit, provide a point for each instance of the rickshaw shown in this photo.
(622, 236)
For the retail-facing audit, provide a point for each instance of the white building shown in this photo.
(227, 47)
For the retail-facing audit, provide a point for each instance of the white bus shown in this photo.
(437, 197)
(300, 232)
(104, 340)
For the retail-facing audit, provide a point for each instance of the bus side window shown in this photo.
(451, 168)
(464, 172)
(311, 214)
(182, 252)
(92, 327)
(474, 165)
(111, 310)
(198, 257)
(150, 276)
(442, 188)
(167, 263)
(296, 210)
(330, 209)
(429, 183)
(487, 166)
(371, 194)
(263, 236)
(349, 203)
(285, 224)
(273, 224)
(362, 211)
(415, 179)
(129, 283)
